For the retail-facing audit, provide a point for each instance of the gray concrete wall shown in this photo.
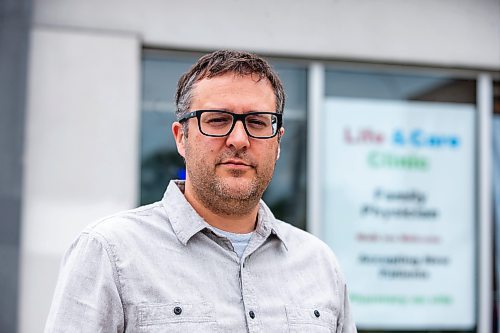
(15, 19)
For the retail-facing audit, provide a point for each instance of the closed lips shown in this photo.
(236, 162)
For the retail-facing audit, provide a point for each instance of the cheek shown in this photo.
(199, 150)
(270, 154)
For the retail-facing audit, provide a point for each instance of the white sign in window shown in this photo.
(398, 209)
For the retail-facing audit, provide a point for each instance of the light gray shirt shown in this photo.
(159, 268)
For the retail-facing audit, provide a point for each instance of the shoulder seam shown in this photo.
(113, 258)
(122, 213)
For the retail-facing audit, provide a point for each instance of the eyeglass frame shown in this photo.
(236, 117)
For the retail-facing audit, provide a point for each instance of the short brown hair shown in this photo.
(219, 63)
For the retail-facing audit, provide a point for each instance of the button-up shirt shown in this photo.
(159, 268)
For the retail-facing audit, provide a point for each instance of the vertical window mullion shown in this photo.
(485, 113)
(315, 98)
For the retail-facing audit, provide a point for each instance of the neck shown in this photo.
(240, 220)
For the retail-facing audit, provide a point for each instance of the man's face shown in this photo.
(232, 172)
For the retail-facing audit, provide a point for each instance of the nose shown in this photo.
(238, 137)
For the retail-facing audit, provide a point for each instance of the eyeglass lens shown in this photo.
(220, 124)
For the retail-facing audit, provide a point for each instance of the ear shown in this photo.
(280, 135)
(179, 138)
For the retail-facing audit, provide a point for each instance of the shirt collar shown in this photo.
(267, 224)
(186, 222)
(183, 218)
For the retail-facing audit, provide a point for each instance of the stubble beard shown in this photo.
(228, 197)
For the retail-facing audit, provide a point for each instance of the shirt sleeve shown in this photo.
(87, 295)
(348, 323)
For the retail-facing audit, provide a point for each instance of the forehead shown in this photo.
(231, 88)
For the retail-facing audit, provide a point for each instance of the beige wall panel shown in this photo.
(464, 33)
(82, 141)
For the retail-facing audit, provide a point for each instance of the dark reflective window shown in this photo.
(397, 86)
(160, 161)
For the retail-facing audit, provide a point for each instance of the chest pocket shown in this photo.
(177, 317)
(314, 320)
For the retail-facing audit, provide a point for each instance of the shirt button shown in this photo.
(316, 313)
(177, 310)
(251, 314)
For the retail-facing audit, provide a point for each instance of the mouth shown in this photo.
(236, 163)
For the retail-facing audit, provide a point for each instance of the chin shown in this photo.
(238, 183)
(238, 187)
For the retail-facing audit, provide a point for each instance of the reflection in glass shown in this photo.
(397, 86)
(160, 161)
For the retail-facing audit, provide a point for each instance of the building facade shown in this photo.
(99, 101)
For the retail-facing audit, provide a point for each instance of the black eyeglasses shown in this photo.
(218, 123)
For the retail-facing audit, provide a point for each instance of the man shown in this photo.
(210, 256)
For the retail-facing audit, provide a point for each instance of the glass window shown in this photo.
(397, 86)
(286, 195)
(160, 162)
(398, 189)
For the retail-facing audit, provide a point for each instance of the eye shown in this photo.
(216, 119)
(258, 121)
